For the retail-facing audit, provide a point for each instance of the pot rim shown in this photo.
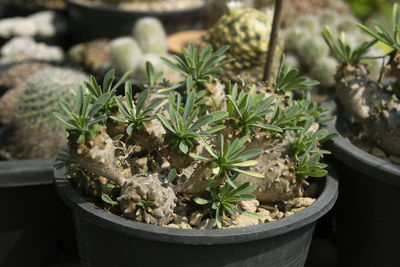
(108, 220)
(26, 172)
(360, 160)
(130, 13)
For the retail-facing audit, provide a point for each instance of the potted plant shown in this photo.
(28, 133)
(111, 19)
(157, 166)
(368, 115)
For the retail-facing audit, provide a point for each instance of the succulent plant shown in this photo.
(32, 119)
(162, 158)
(313, 49)
(324, 70)
(304, 41)
(151, 36)
(246, 31)
(145, 199)
(224, 199)
(125, 54)
(25, 48)
(372, 105)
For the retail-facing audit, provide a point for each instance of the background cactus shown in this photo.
(36, 133)
(125, 54)
(43, 24)
(247, 32)
(304, 41)
(151, 36)
(23, 48)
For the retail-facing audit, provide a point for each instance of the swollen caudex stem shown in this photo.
(98, 156)
(145, 199)
(370, 102)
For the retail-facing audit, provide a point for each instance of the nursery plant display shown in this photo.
(368, 116)
(247, 32)
(195, 163)
(27, 110)
(146, 43)
(304, 42)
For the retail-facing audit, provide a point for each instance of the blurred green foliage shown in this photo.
(367, 9)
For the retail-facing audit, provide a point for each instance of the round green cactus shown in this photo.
(324, 71)
(313, 49)
(37, 134)
(308, 23)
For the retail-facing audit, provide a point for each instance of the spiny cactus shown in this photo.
(313, 49)
(37, 134)
(303, 40)
(145, 199)
(24, 48)
(324, 70)
(151, 36)
(125, 54)
(247, 33)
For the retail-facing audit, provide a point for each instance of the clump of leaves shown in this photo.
(135, 115)
(287, 79)
(249, 108)
(184, 129)
(231, 157)
(106, 91)
(342, 50)
(382, 35)
(198, 69)
(223, 199)
(83, 123)
(303, 147)
(151, 76)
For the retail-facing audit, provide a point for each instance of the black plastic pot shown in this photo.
(105, 239)
(368, 214)
(92, 22)
(35, 227)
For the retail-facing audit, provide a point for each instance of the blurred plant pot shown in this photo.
(280, 243)
(92, 22)
(179, 40)
(368, 216)
(36, 228)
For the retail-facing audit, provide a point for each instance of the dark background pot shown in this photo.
(92, 22)
(367, 210)
(105, 239)
(36, 228)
